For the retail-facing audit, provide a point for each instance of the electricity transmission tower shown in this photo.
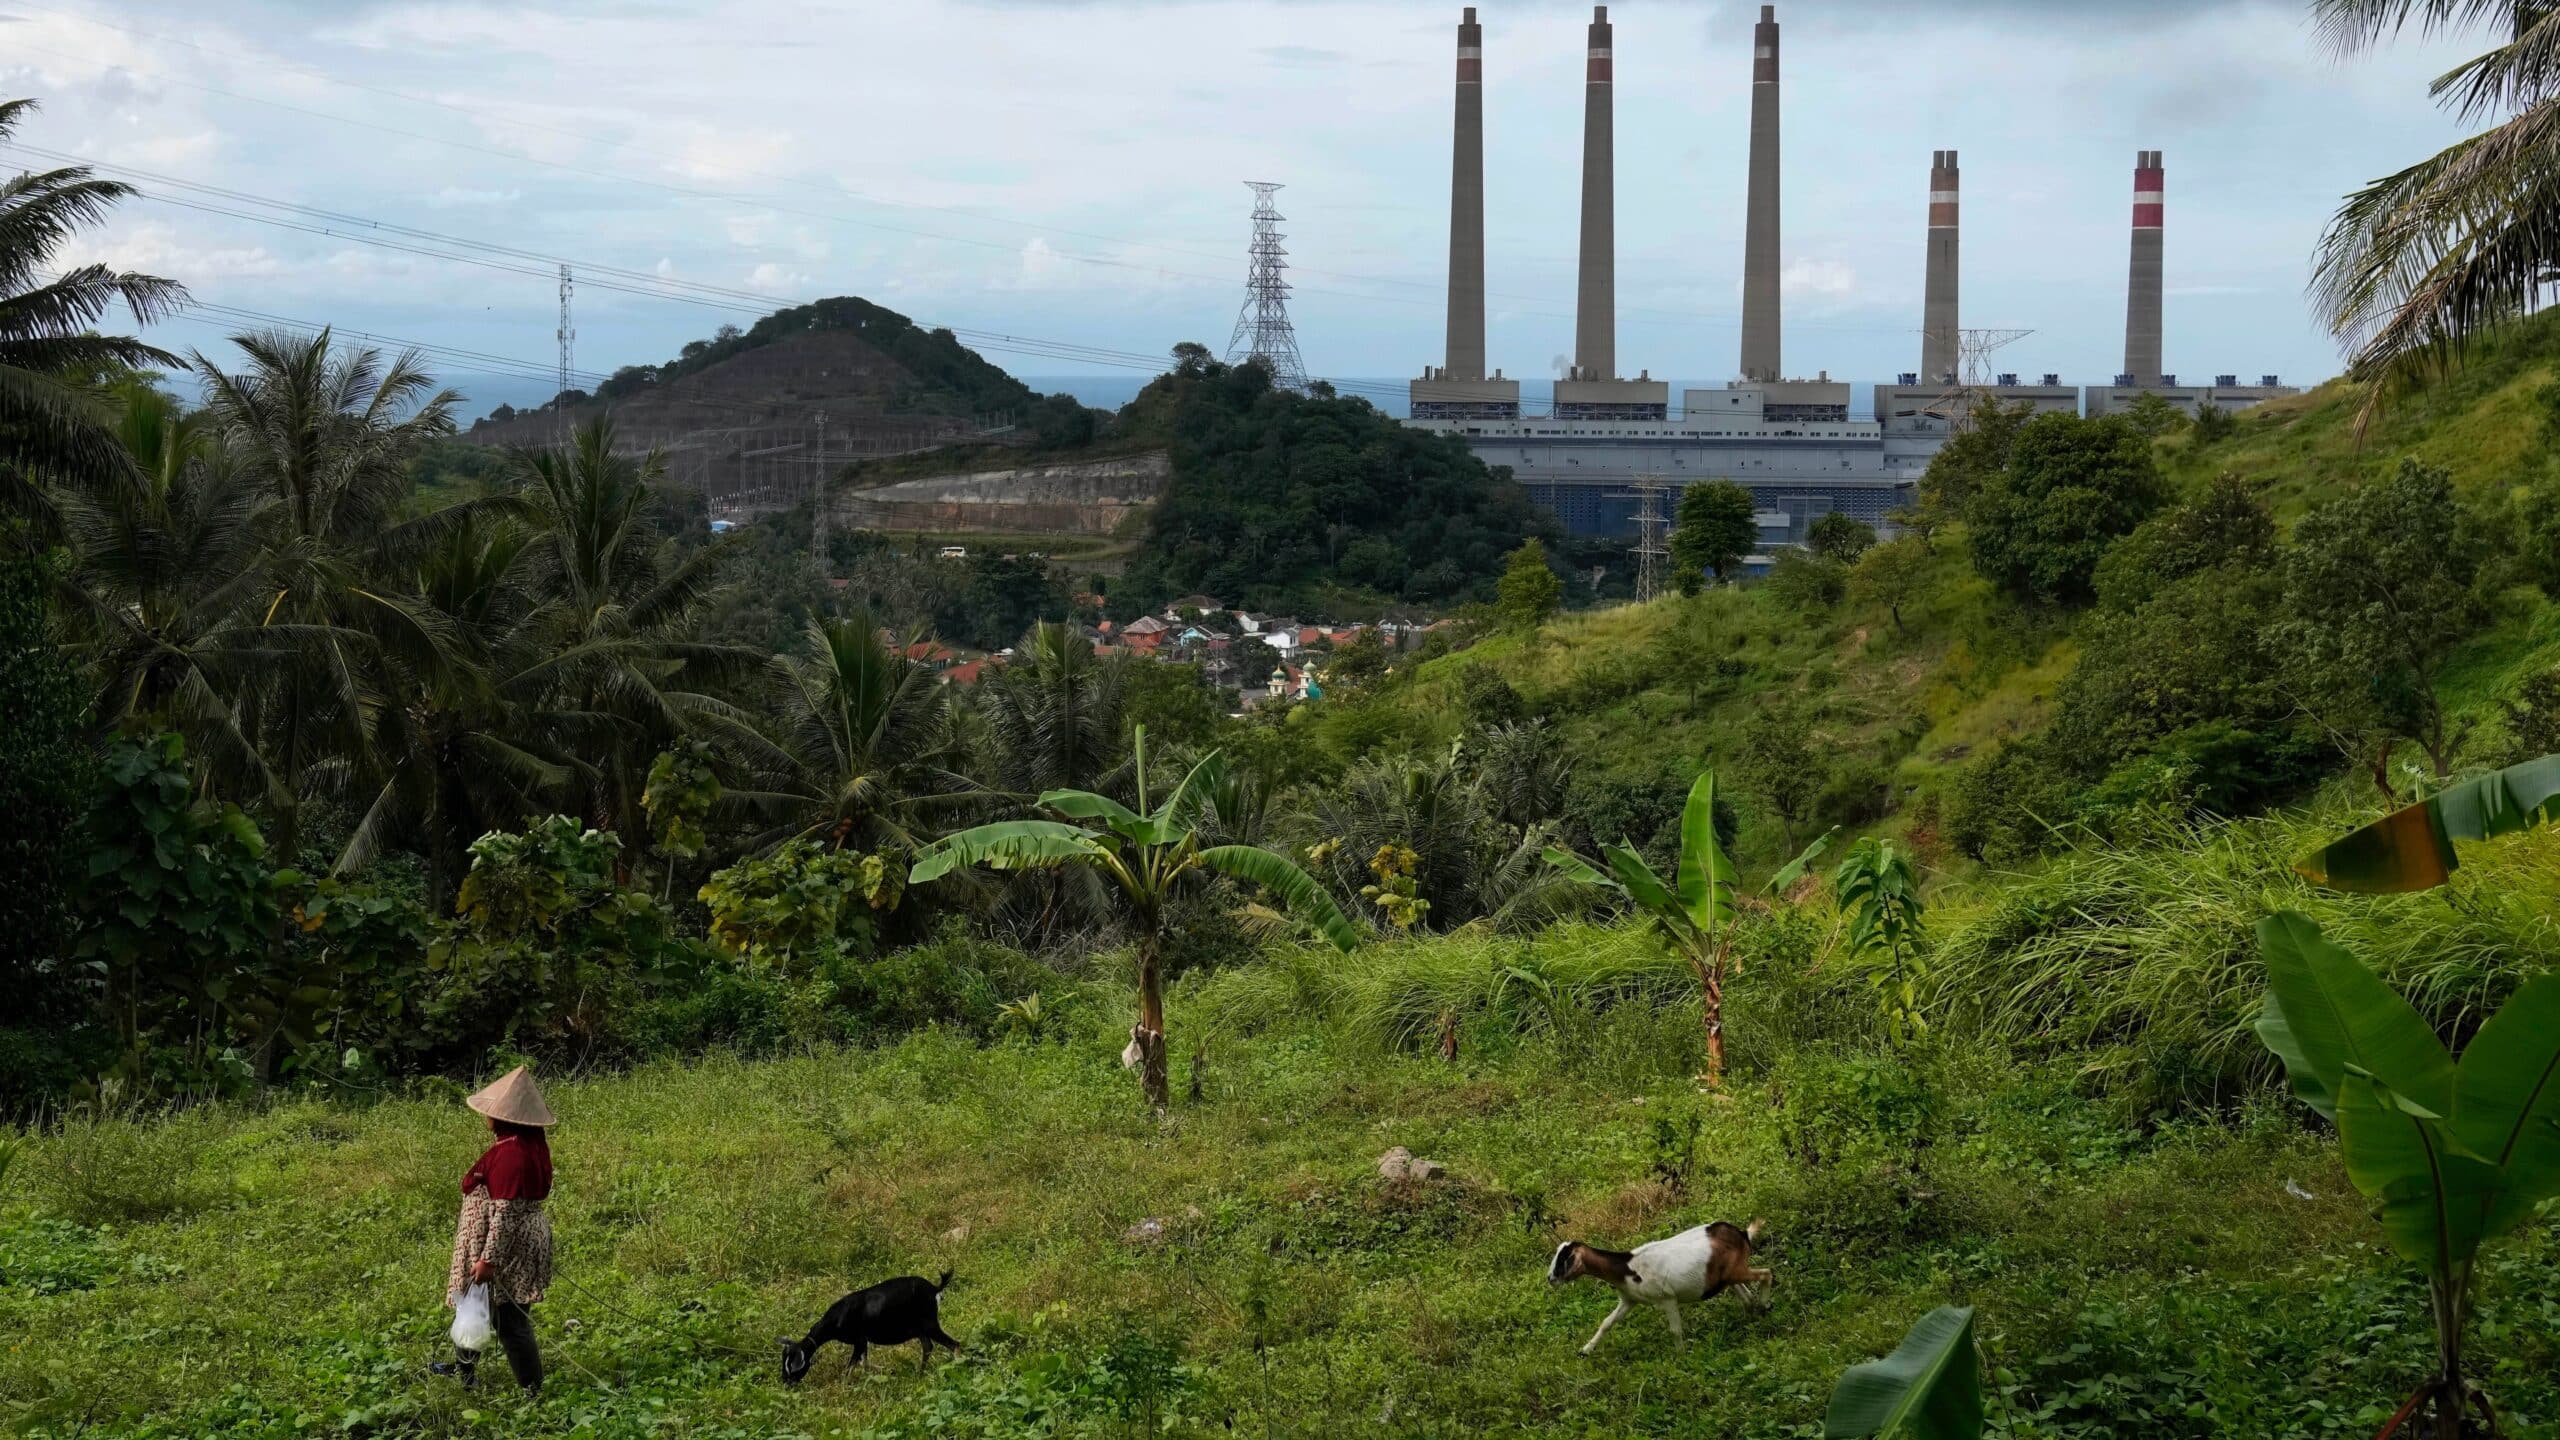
(1263, 331)
(1653, 555)
(1974, 348)
(568, 342)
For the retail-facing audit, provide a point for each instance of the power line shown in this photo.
(1430, 296)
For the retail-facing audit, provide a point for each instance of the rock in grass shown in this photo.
(1400, 1164)
(1149, 1231)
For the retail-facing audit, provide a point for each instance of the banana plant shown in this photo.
(1146, 855)
(2452, 1154)
(1693, 915)
(1929, 1388)
(2412, 847)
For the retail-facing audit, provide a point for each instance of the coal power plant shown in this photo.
(1791, 441)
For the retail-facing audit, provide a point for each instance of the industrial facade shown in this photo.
(1791, 442)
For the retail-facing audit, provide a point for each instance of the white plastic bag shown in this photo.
(472, 1329)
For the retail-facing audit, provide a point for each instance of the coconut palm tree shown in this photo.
(52, 420)
(625, 605)
(1150, 857)
(165, 582)
(328, 432)
(1055, 715)
(2416, 263)
(483, 740)
(862, 750)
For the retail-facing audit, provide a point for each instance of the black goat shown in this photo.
(892, 1312)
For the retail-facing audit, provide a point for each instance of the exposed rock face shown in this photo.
(1090, 497)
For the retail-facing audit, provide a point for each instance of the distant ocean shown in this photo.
(1110, 392)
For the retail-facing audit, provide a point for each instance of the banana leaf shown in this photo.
(2326, 1016)
(2412, 848)
(2506, 1101)
(1793, 871)
(1705, 877)
(1929, 1388)
(1296, 888)
(1085, 805)
(1004, 845)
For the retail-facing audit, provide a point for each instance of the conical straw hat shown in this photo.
(514, 1098)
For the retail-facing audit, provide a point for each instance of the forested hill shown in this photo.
(1312, 504)
(865, 365)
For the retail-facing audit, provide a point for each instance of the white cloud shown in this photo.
(775, 279)
(456, 197)
(157, 248)
(1829, 279)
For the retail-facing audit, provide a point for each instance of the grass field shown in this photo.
(278, 1271)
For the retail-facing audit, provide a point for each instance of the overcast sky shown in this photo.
(1068, 169)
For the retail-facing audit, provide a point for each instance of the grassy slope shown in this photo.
(1969, 671)
(290, 1286)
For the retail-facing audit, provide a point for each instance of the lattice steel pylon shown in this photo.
(1652, 554)
(1263, 331)
(568, 337)
(1973, 350)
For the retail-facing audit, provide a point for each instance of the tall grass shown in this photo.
(2144, 955)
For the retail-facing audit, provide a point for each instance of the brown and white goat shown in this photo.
(1692, 1265)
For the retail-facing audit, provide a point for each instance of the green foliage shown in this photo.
(549, 949)
(44, 772)
(1929, 1388)
(802, 903)
(2228, 526)
(1693, 915)
(1837, 536)
(2152, 416)
(1273, 495)
(682, 790)
(1892, 574)
(1529, 592)
(1808, 583)
(948, 377)
(2378, 590)
(2070, 489)
(1880, 893)
(1712, 531)
(179, 919)
(2452, 1155)
(1970, 459)
(1778, 764)
(2212, 426)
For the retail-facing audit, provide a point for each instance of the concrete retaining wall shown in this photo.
(1087, 498)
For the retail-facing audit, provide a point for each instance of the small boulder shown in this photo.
(1149, 1231)
(1400, 1164)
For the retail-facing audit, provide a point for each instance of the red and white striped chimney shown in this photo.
(2142, 289)
(1938, 315)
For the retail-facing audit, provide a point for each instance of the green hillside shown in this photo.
(1892, 715)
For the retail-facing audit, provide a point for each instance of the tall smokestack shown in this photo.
(1760, 227)
(1466, 209)
(1938, 316)
(2142, 290)
(1595, 311)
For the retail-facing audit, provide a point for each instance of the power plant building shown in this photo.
(1791, 442)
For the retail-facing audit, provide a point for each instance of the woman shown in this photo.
(503, 1240)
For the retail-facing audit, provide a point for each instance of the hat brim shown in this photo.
(541, 1120)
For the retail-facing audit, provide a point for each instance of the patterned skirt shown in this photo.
(514, 1236)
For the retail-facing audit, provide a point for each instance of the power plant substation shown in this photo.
(1613, 455)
